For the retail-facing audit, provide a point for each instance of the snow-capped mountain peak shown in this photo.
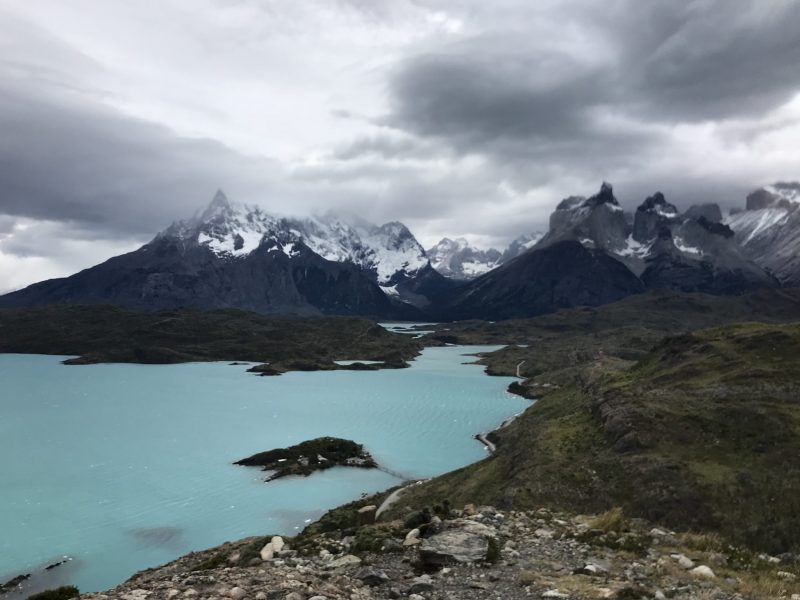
(460, 260)
(232, 231)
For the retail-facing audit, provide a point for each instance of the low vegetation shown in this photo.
(96, 334)
(310, 456)
(63, 593)
(699, 430)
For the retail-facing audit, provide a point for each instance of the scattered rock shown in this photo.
(703, 572)
(237, 593)
(420, 584)
(371, 576)
(684, 561)
(348, 560)
(554, 594)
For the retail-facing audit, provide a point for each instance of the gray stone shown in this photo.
(237, 593)
(371, 576)
(412, 538)
(702, 572)
(420, 584)
(348, 560)
(454, 546)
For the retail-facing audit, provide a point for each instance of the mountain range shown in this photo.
(594, 252)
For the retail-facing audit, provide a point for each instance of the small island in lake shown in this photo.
(313, 455)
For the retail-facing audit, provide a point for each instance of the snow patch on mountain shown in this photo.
(233, 231)
(460, 260)
(681, 245)
(634, 249)
(751, 223)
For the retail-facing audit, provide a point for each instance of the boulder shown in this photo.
(267, 553)
(703, 572)
(277, 543)
(366, 515)
(412, 538)
(456, 545)
(237, 593)
(420, 584)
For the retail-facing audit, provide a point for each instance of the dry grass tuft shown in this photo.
(611, 520)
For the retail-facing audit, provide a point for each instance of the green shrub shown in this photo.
(64, 592)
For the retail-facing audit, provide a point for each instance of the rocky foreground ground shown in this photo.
(475, 553)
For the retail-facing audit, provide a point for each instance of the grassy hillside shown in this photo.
(703, 432)
(113, 334)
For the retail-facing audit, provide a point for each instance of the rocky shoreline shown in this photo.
(470, 554)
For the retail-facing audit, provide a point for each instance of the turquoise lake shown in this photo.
(123, 467)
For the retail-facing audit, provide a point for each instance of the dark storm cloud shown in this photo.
(635, 70)
(69, 160)
(715, 59)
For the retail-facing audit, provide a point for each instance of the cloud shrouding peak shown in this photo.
(458, 118)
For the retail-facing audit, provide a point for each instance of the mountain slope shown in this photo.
(168, 274)
(699, 430)
(769, 230)
(238, 256)
(560, 275)
(521, 244)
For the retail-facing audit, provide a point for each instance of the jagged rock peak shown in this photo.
(219, 205)
(605, 195)
(658, 204)
(651, 215)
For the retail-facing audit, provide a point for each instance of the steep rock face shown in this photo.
(769, 230)
(542, 280)
(693, 251)
(460, 260)
(597, 222)
(697, 255)
(653, 214)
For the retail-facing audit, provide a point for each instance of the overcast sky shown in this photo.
(460, 118)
